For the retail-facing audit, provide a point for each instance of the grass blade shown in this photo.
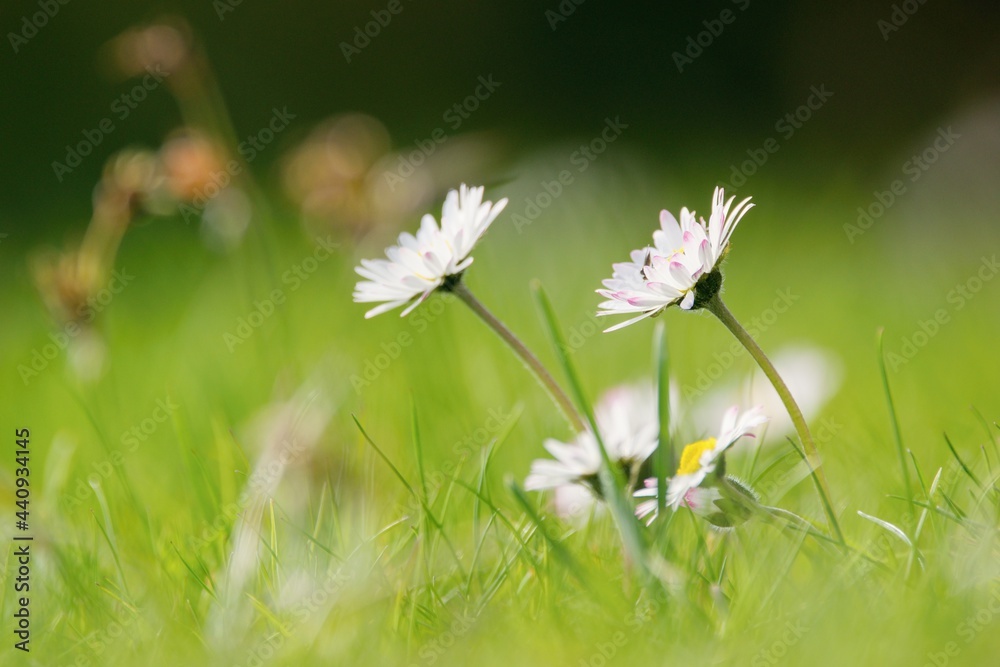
(897, 434)
(665, 461)
(610, 477)
(971, 475)
(423, 503)
(893, 529)
(557, 547)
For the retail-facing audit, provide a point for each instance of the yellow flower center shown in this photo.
(691, 456)
(673, 255)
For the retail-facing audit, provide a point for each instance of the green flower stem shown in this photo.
(717, 308)
(664, 462)
(753, 507)
(459, 289)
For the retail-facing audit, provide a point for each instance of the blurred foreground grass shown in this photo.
(135, 516)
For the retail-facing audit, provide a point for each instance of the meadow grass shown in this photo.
(402, 535)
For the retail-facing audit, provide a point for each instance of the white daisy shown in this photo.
(420, 264)
(683, 253)
(698, 461)
(627, 419)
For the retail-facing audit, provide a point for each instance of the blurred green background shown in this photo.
(940, 66)
(910, 135)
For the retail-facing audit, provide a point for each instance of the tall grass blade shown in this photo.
(612, 484)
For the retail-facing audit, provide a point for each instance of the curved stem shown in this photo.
(717, 308)
(460, 290)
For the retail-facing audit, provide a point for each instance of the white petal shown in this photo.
(419, 263)
(378, 310)
(622, 325)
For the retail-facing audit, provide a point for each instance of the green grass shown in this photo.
(415, 548)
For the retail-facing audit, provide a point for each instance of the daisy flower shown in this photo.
(420, 264)
(679, 268)
(692, 485)
(627, 419)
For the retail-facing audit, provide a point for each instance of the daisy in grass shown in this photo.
(435, 259)
(700, 479)
(627, 419)
(680, 268)
(420, 264)
(683, 268)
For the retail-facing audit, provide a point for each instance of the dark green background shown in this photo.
(606, 59)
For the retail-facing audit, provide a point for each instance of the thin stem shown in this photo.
(717, 308)
(460, 290)
(665, 460)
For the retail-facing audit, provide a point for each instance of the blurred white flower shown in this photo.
(420, 264)
(575, 503)
(283, 434)
(683, 254)
(699, 460)
(813, 375)
(627, 419)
